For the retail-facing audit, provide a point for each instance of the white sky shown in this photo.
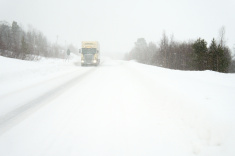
(117, 24)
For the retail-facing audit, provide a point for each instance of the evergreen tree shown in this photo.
(232, 66)
(200, 50)
(223, 59)
(30, 42)
(5, 35)
(212, 55)
(139, 52)
(15, 37)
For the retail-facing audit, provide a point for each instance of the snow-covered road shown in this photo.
(118, 108)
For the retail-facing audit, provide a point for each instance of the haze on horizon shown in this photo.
(118, 24)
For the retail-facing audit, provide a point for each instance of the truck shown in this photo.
(90, 53)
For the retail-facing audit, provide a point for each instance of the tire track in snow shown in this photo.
(15, 116)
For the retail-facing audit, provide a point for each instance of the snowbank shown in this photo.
(207, 107)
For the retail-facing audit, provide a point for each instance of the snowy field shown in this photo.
(56, 107)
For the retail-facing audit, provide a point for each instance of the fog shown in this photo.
(118, 24)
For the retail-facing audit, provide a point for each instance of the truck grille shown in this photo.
(88, 58)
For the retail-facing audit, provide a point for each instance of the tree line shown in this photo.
(18, 43)
(191, 55)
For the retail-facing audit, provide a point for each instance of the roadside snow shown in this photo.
(16, 76)
(210, 105)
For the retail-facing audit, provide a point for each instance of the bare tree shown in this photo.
(163, 47)
(221, 37)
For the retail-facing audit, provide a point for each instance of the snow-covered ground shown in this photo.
(57, 107)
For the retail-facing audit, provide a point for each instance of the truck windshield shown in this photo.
(88, 50)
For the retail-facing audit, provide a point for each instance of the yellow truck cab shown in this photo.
(90, 53)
